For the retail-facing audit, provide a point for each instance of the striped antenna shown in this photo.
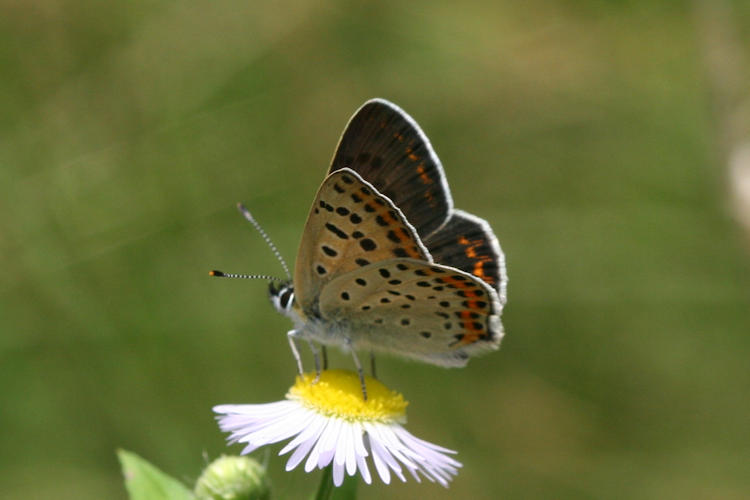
(247, 215)
(221, 274)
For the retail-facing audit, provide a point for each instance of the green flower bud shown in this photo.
(233, 478)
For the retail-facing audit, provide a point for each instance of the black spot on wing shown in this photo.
(337, 231)
(368, 244)
(329, 251)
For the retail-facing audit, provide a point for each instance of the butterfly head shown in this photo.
(282, 296)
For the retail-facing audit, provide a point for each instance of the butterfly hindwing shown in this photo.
(468, 243)
(350, 225)
(415, 309)
(388, 149)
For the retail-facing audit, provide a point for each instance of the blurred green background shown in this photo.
(582, 130)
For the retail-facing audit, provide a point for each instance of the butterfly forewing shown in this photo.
(350, 225)
(468, 243)
(388, 149)
(419, 310)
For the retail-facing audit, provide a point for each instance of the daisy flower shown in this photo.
(329, 423)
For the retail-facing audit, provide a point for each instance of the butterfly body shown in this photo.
(386, 263)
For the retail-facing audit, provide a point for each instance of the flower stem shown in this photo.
(327, 491)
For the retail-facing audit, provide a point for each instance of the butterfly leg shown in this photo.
(292, 335)
(324, 352)
(359, 369)
(316, 357)
(372, 365)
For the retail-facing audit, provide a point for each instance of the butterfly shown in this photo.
(385, 263)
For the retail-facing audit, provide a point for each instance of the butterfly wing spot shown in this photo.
(345, 295)
(320, 270)
(362, 262)
(426, 335)
(402, 267)
(343, 211)
(338, 188)
(360, 282)
(384, 272)
(336, 230)
(329, 251)
(355, 218)
(368, 245)
(405, 322)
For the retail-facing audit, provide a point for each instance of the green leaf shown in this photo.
(145, 482)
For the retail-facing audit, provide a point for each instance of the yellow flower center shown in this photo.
(338, 393)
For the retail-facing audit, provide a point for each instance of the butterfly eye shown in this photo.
(285, 298)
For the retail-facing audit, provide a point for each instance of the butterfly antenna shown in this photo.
(221, 274)
(247, 215)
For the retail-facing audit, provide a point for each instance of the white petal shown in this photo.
(350, 458)
(386, 437)
(300, 453)
(342, 443)
(429, 451)
(329, 442)
(304, 442)
(360, 452)
(364, 470)
(315, 427)
(338, 474)
(312, 459)
(281, 429)
(380, 466)
(378, 446)
(359, 444)
(434, 465)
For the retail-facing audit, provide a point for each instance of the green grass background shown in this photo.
(582, 130)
